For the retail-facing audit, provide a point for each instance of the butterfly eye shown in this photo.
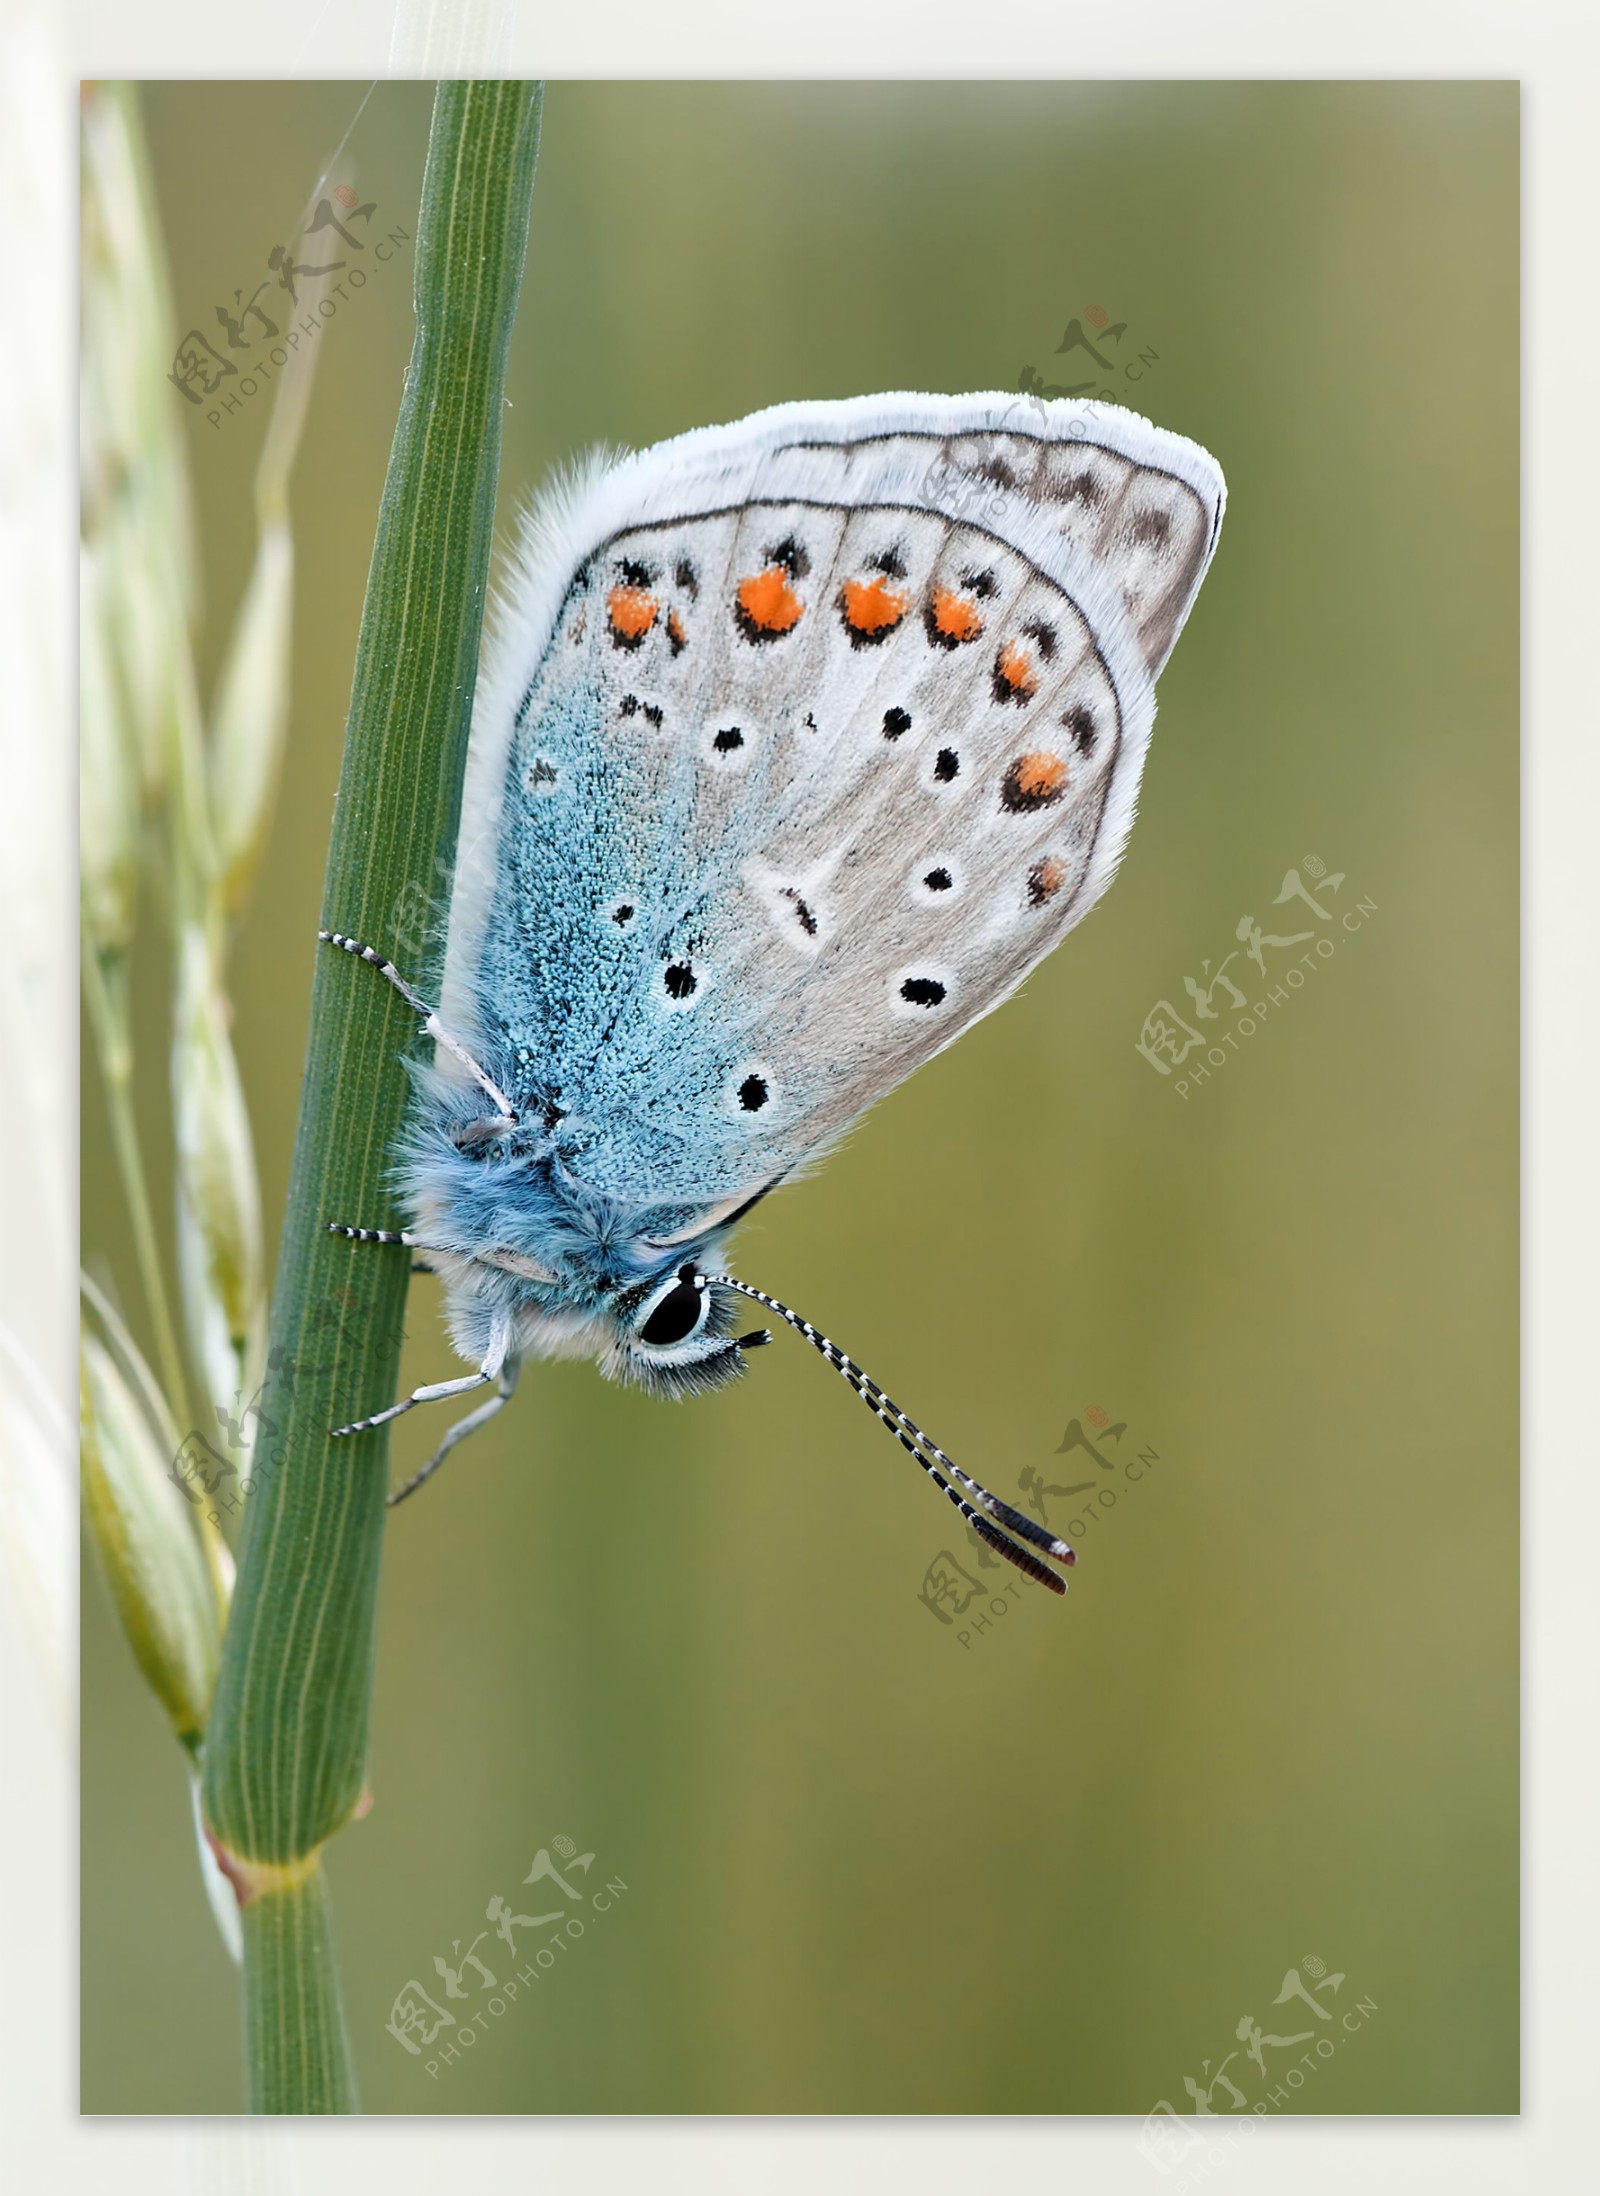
(677, 1314)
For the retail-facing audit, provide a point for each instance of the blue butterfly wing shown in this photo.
(803, 741)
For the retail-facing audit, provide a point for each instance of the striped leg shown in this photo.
(401, 1236)
(430, 1021)
(438, 1390)
(460, 1430)
(505, 1261)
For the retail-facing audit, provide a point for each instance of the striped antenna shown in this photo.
(929, 1455)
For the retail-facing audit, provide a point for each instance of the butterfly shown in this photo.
(799, 742)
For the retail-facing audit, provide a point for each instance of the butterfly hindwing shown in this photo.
(805, 740)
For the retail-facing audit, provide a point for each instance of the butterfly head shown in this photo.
(673, 1335)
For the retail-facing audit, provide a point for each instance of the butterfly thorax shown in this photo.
(525, 1245)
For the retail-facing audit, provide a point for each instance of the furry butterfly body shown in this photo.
(800, 743)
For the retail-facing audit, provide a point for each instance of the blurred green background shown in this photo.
(876, 1862)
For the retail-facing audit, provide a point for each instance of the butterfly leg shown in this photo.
(437, 1391)
(506, 1261)
(401, 1236)
(460, 1430)
(430, 1021)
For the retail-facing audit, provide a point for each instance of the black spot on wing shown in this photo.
(807, 920)
(1080, 724)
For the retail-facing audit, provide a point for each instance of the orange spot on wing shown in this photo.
(769, 603)
(632, 612)
(954, 617)
(1015, 669)
(872, 606)
(1045, 880)
(1040, 774)
(1033, 781)
(675, 632)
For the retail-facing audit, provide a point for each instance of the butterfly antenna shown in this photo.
(929, 1454)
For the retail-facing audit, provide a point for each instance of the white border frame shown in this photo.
(1550, 45)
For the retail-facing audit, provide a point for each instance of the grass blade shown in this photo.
(289, 1736)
